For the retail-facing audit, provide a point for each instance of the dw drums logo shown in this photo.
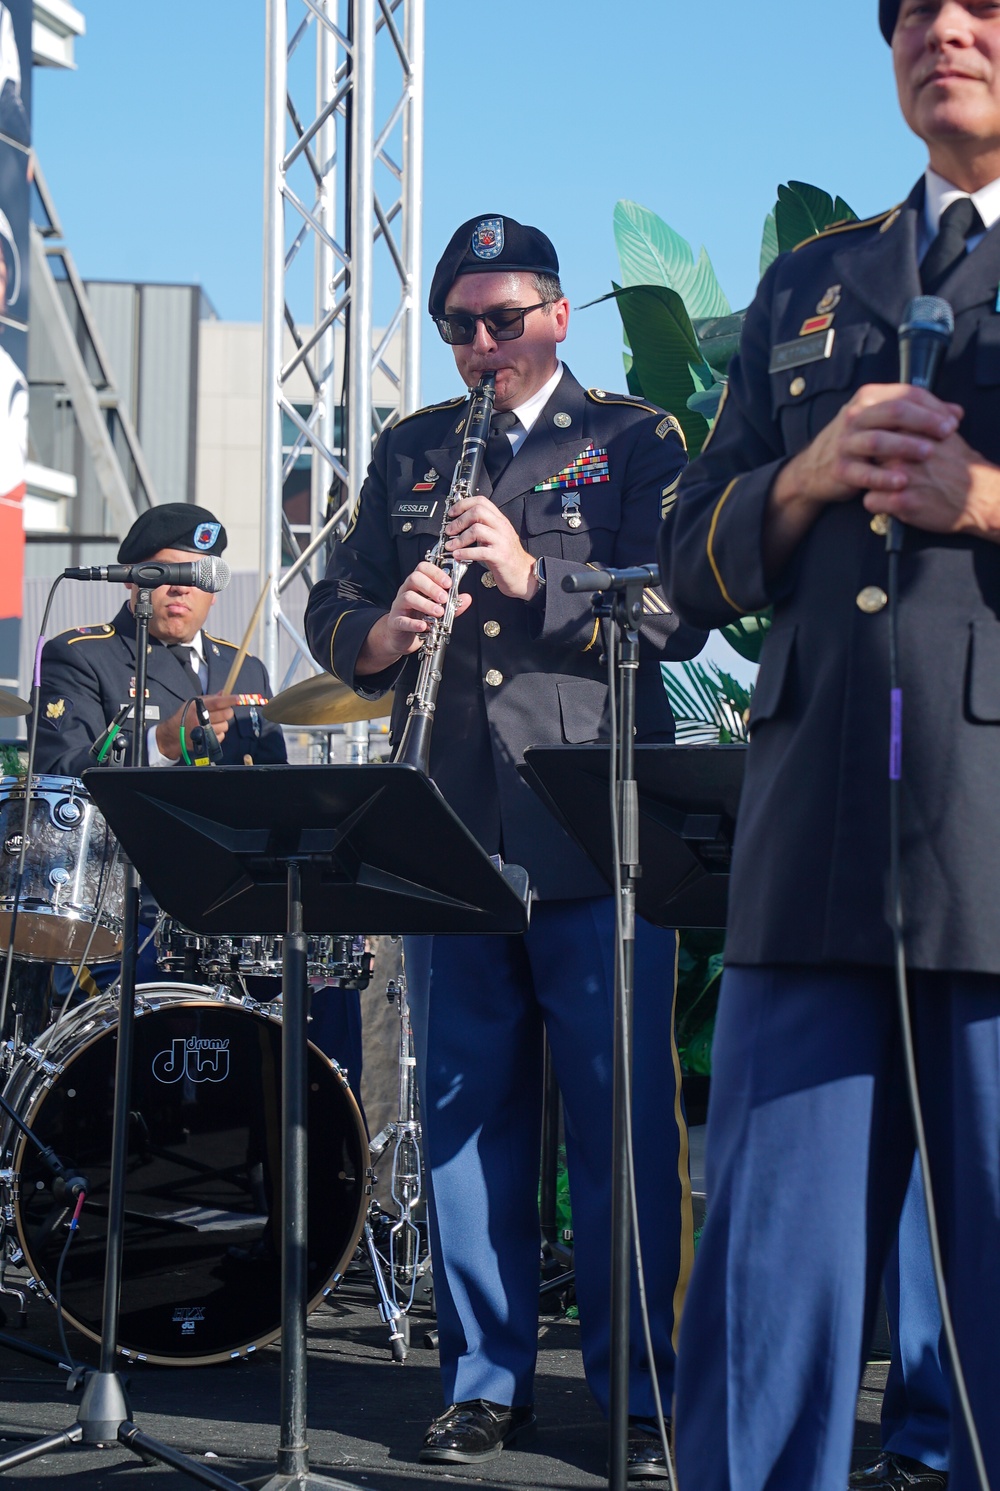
(192, 1057)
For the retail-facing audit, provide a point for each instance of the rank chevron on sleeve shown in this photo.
(588, 467)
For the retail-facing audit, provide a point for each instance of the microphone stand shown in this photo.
(620, 601)
(104, 1413)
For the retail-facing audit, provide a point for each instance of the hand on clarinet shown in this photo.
(418, 602)
(479, 532)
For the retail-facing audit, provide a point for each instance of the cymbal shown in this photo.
(11, 705)
(322, 700)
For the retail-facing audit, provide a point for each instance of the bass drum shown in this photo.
(202, 1268)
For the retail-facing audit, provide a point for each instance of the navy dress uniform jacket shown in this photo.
(515, 674)
(89, 673)
(811, 855)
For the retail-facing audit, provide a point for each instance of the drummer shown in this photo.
(88, 675)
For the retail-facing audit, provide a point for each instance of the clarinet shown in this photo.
(415, 742)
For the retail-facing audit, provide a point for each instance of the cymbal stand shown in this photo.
(104, 1415)
(397, 1276)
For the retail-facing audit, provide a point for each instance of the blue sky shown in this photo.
(549, 110)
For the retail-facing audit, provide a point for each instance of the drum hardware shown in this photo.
(70, 889)
(396, 1246)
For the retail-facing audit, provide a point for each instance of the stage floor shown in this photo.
(366, 1414)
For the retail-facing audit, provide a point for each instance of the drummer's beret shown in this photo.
(487, 244)
(888, 12)
(172, 525)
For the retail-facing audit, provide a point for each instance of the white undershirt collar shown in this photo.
(940, 193)
(528, 412)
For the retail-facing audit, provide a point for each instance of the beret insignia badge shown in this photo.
(206, 534)
(487, 238)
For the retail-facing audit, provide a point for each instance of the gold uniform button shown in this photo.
(797, 387)
(880, 524)
(487, 579)
(491, 628)
(407, 527)
(494, 678)
(872, 599)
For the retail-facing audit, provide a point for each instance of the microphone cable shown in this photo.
(611, 649)
(894, 544)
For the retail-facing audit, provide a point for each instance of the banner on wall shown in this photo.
(15, 182)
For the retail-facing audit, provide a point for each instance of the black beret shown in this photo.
(490, 243)
(172, 525)
(888, 12)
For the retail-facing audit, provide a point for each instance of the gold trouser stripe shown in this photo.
(683, 1171)
(711, 556)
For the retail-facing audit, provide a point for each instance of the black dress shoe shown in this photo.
(645, 1460)
(897, 1473)
(475, 1430)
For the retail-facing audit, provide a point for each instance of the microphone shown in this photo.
(205, 747)
(928, 325)
(103, 742)
(611, 579)
(211, 574)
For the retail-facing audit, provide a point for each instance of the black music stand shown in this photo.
(688, 796)
(293, 850)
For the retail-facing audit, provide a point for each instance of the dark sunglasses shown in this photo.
(503, 325)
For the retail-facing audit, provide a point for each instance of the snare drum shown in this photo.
(201, 1277)
(73, 876)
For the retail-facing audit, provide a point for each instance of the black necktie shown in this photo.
(498, 452)
(185, 656)
(958, 222)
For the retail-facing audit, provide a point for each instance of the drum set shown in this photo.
(200, 1279)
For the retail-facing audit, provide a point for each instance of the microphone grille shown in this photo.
(930, 311)
(213, 574)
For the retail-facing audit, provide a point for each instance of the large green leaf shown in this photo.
(802, 211)
(768, 244)
(651, 253)
(719, 338)
(746, 635)
(667, 362)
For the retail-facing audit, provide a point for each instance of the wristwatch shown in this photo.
(538, 570)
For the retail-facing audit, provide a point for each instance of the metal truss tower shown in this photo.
(343, 147)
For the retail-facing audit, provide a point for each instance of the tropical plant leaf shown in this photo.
(719, 338)
(802, 211)
(746, 635)
(768, 244)
(667, 362)
(706, 401)
(652, 253)
(707, 703)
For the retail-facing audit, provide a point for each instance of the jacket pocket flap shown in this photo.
(772, 680)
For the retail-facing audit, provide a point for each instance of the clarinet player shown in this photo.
(572, 475)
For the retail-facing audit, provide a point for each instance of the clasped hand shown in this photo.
(900, 446)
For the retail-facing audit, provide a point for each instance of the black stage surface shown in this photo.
(366, 1414)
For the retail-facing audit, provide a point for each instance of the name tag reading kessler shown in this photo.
(803, 350)
(414, 507)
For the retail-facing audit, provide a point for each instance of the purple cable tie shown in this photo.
(895, 734)
(38, 662)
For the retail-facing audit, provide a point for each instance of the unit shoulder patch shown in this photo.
(99, 633)
(667, 425)
(849, 225)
